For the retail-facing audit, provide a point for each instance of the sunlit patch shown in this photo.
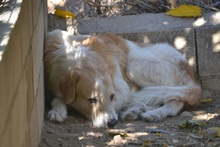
(97, 84)
(130, 137)
(180, 42)
(131, 75)
(187, 30)
(95, 134)
(201, 115)
(216, 38)
(101, 120)
(199, 22)
(146, 40)
(1, 53)
(81, 137)
(216, 48)
(191, 61)
(165, 23)
(216, 42)
(78, 55)
(215, 18)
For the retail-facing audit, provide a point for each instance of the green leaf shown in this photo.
(191, 123)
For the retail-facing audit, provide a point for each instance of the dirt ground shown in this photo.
(76, 131)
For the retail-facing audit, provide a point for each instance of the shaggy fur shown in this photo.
(104, 76)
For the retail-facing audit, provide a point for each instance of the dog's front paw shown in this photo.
(57, 114)
(151, 116)
(132, 113)
(135, 112)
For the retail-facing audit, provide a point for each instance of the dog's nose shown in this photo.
(112, 123)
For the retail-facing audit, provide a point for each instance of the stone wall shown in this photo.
(21, 78)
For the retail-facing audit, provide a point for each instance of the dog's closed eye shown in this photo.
(112, 97)
(93, 100)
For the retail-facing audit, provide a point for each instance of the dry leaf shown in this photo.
(185, 11)
(64, 13)
(208, 100)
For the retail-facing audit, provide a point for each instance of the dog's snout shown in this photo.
(112, 123)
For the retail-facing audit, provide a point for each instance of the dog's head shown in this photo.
(92, 95)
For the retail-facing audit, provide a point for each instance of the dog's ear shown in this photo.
(68, 86)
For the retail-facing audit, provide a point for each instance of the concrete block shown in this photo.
(141, 23)
(132, 24)
(210, 82)
(208, 44)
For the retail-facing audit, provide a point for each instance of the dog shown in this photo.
(106, 77)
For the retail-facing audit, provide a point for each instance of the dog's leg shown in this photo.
(58, 112)
(170, 108)
(133, 113)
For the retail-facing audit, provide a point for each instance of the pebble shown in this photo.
(210, 133)
(117, 139)
(186, 114)
(175, 141)
(206, 94)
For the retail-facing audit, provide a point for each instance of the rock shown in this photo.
(206, 94)
(186, 114)
(117, 139)
(210, 133)
(175, 141)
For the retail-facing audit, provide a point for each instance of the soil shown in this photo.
(77, 131)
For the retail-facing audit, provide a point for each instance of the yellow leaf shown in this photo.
(208, 100)
(185, 11)
(64, 13)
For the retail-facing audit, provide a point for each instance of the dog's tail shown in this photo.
(157, 95)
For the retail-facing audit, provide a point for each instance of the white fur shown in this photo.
(59, 112)
(155, 68)
(164, 86)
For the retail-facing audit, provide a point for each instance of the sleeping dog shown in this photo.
(106, 77)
